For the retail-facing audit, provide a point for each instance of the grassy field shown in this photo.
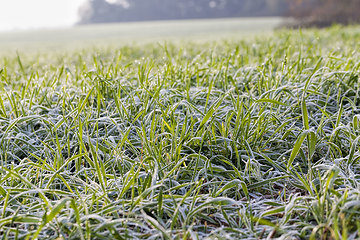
(122, 34)
(229, 139)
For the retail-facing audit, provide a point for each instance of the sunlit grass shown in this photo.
(247, 139)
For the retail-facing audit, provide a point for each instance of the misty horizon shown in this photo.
(38, 14)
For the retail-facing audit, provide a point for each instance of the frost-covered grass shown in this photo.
(237, 139)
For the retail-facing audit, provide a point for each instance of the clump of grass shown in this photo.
(230, 139)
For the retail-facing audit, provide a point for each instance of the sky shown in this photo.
(35, 14)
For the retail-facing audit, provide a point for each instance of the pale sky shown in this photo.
(34, 14)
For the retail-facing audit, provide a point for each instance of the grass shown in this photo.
(231, 139)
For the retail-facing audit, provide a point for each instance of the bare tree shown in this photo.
(325, 12)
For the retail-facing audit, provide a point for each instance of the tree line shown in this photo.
(306, 12)
(101, 11)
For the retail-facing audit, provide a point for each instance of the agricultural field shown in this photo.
(234, 138)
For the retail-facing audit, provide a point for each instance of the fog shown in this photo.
(36, 14)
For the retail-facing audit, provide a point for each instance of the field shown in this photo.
(237, 138)
(80, 37)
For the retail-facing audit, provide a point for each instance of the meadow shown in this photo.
(120, 34)
(235, 138)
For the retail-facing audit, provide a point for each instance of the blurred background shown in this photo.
(24, 14)
(97, 11)
(51, 22)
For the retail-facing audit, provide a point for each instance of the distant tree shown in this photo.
(94, 11)
(325, 12)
